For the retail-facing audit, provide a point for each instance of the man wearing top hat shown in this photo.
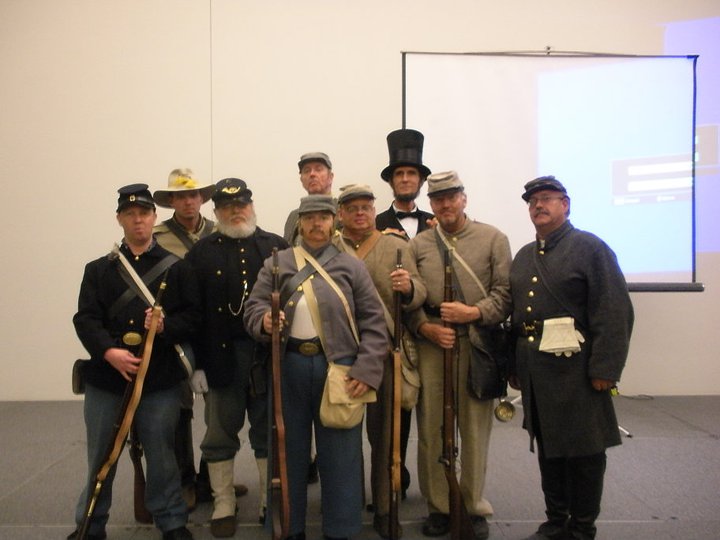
(185, 195)
(110, 322)
(360, 238)
(316, 176)
(406, 174)
(482, 300)
(572, 319)
(230, 366)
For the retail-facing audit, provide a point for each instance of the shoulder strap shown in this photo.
(301, 252)
(137, 285)
(442, 241)
(303, 273)
(547, 281)
(179, 232)
(357, 253)
(207, 228)
(368, 244)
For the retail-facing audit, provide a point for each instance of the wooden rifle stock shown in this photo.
(460, 524)
(131, 399)
(395, 461)
(142, 514)
(278, 483)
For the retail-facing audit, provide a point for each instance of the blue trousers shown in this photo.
(155, 421)
(339, 451)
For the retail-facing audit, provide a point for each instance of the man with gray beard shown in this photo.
(230, 364)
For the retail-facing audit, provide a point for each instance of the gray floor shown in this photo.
(662, 483)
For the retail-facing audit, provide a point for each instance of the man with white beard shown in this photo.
(230, 364)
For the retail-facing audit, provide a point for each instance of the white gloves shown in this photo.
(198, 382)
(559, 336)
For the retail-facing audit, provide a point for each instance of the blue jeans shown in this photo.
(339, 451)
(155, 420)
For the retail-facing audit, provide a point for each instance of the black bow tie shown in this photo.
(414, 214)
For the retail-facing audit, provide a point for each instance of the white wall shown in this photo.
(95, 94)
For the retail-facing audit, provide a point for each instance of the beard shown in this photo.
(407, 197)
(242, 230)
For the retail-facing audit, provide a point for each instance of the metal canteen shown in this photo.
(504, 411)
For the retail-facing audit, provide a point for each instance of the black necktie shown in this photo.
(414, 214)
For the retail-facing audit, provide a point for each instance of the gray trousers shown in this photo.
(225, 410)
(475, 420)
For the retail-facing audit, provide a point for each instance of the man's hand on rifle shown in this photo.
(267, 321)
(401, 281)
(148, 319)
(459, 313)
(124, 361)
(438, 334)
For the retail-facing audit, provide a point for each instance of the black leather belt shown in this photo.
(530, 328)
(306, 347)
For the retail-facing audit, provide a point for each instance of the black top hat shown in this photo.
(135, 194)
(405, 147)
(231, 190)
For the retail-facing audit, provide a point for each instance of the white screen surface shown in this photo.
(617, 131)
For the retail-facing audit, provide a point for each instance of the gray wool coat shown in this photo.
(574, 274)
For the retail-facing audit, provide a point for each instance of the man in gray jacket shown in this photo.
(482, 301)
(572, 317)
(329, 316)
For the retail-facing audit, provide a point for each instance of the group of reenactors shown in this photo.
(345, 274)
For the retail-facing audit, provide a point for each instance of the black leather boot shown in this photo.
(586, 474)
(556, 489)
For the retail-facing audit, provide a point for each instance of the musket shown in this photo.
(131, 399)
(460, 524)
(279, 495)
(395, 463)
(135, 449)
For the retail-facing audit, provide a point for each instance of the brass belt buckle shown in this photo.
(132, 339)
(309, 348)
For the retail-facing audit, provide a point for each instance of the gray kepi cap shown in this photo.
(317, 203)
(443, 182)
(314, 156)
(355, 191)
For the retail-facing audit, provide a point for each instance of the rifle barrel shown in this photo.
(279, 482)
(460, 524)
(395, 460)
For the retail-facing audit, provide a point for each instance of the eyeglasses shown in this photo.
(354, 209)
(533, 201)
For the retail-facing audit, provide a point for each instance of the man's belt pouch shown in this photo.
(78, 376)
(337, 409)
(488, 362)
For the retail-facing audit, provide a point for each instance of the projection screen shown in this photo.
(617, 130)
